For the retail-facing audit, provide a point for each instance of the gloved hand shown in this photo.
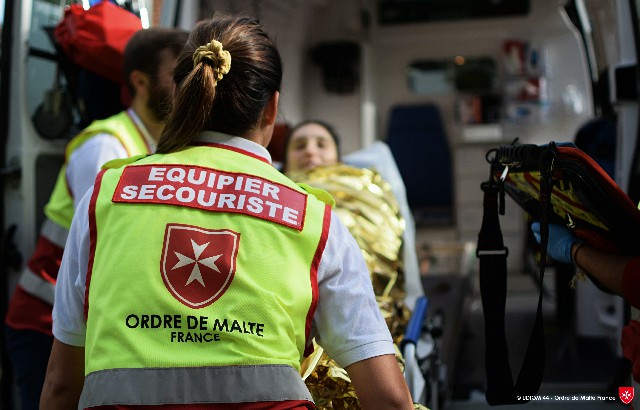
(560, 241)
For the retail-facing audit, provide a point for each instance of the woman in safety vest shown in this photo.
(197, 277)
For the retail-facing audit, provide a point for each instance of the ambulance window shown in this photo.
(41, 65)
(595, 22)
(458, 74)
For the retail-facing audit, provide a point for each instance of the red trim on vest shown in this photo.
(230, 148)
(27, 312)
(631, 282)
(45, 260)
(326, 224)
(93, 236)
(212, 190)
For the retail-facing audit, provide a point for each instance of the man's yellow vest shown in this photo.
(40, 282)
(201, 274)
(60, 207)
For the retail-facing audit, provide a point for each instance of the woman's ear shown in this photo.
(271, 110)
(268, 121)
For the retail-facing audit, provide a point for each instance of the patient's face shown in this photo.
(310, 146)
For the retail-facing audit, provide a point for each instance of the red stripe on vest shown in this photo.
(212, 190)
(230, 148)
(93, 236)
(45, 260)
(326, 224)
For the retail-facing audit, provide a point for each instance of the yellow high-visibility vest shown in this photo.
(201, 259)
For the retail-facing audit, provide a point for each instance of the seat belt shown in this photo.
(492, 255)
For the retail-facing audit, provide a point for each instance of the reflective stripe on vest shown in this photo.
(60, 207)
(32, 282)
(54, 233)
(37, 286)
(211, 385)
(189, 285)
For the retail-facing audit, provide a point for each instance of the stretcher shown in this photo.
(553, 183)
(425, 371)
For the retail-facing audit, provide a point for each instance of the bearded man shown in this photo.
(149, 59)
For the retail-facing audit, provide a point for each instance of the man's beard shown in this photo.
(159, 103)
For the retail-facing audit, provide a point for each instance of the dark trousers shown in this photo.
(28, 352)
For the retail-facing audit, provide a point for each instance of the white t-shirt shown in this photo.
(85, 161)
(347, 322)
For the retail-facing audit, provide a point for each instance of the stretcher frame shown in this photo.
(553, 183)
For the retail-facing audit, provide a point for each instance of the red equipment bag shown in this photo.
(95, 39)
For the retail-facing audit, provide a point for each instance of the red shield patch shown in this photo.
(626, 394)
(198, 264)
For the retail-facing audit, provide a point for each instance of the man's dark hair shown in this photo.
(145, 46)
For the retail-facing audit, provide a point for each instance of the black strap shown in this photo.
(493, 289)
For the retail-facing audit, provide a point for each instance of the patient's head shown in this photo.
(310, 144)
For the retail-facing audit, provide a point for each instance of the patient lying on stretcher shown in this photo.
(367, 206)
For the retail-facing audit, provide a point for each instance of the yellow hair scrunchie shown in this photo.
(219, 58)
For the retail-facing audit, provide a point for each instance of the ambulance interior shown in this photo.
(440, 83)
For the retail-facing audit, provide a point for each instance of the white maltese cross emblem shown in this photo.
(198, 264)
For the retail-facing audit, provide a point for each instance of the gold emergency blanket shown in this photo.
(366, 205)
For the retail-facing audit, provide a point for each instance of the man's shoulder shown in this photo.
(101, 132)
(107, 125)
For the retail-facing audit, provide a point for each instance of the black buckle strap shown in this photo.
(493, 288)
